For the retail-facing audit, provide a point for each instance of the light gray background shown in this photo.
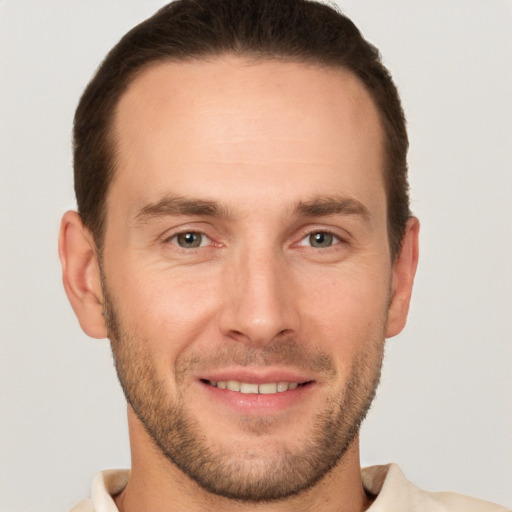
(444, 410)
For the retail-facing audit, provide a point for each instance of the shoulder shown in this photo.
(105, 485)
(455, 502)
(83, 506)
(395, 493)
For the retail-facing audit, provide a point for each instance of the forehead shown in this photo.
(195, 127)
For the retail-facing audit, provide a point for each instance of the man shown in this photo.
(244, 239)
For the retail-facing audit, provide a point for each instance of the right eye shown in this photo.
(189, 240)
(320, 240)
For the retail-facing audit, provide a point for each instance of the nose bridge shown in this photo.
(257, 304)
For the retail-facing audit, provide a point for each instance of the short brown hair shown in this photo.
(289, 30)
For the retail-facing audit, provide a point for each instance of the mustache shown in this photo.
(283, 352)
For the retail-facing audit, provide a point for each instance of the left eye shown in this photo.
(189, 240)
(320, 240)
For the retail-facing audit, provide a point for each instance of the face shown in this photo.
(246, 270)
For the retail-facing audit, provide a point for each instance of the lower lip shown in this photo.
(253, 403)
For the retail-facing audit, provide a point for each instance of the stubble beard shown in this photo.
(252, 476)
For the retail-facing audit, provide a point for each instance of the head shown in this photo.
(289, 30)
(244, 238)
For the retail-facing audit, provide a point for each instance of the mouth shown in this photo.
(257, 393)
(249, 388)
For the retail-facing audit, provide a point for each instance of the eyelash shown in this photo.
(335, 239)
(175, 236)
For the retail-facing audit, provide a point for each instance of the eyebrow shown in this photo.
(332, 205)
(316, 207)
(176, 205)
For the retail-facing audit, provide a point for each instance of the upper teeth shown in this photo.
(246, 387)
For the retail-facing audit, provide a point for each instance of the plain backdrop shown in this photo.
(444, 409)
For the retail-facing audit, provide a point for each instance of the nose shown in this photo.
(259, 304)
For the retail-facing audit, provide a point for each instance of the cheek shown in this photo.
(347, 312)
(167, 309)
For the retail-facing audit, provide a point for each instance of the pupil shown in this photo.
(189, 240)
(321, 239)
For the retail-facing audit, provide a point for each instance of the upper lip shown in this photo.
(257, 376)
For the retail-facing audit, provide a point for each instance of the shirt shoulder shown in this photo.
(105, 485)
(394, 493)
(83, 506)
(453, 501)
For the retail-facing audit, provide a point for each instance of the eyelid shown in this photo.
(340, 234)
(336, 238)
(173, 231)
(169, 236)
(205, 241)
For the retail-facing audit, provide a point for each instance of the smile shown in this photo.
(267, 388)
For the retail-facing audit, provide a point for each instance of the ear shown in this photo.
(404, 270)
(81, 274)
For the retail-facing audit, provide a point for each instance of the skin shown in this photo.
(257, 139)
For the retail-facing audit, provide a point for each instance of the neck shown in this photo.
(156, 484)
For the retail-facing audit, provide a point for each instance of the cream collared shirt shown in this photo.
(394, 494)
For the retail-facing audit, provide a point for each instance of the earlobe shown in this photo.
(81, 274)
(404, 270)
